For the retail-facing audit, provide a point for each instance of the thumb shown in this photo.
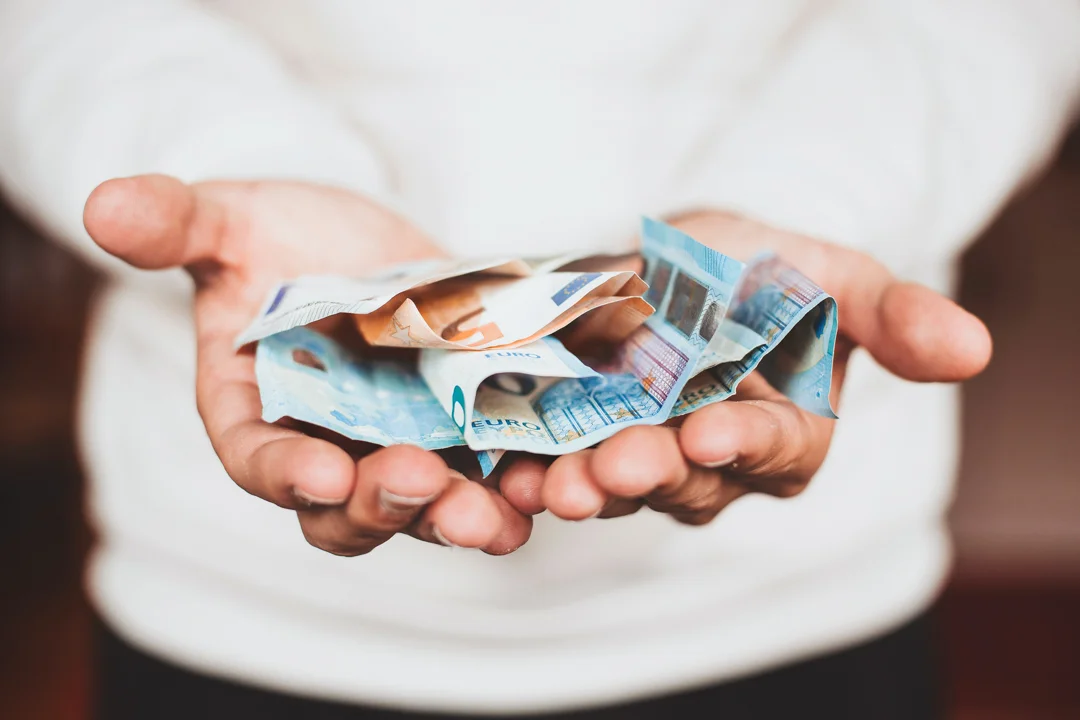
(910, 330)
(154, 222)
(923, 336)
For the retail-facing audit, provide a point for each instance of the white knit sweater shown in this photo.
(897, 127)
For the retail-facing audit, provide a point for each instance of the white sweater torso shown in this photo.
(532, 128)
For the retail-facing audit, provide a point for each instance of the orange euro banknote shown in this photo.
(480, 313)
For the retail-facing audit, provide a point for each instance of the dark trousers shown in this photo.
(889, 678)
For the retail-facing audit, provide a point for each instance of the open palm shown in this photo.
(237, 239)
(759, 441)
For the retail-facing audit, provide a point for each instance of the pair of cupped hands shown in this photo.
(237, 239)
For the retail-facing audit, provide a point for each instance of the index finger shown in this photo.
(767, 442)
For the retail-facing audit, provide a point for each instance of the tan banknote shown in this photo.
(309, 298)
(485, 312)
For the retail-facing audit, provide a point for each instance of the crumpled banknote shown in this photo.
(307, 376)
(797, 321)
(643, 381)
(459, 304)
(486, 312)
(716, 321)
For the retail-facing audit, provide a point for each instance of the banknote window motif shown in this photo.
(658, 283)
(710, 320)
(687, 302)
(512, 383)
(307, 358)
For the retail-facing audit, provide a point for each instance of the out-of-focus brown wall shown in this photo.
(1010, 619)
(1018, 506)
(44, 620)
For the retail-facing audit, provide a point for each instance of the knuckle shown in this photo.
(796, 445)
(787, 434)
(329, 545)
(367, 536)
(621, 507)
(695, 498)
(696, 519)
(506, 546)
(313, 537)
(787, 487)
(381, 521)
(700, 502)
(373, 537)
(346, 551)
(332, 543)
(499, 550)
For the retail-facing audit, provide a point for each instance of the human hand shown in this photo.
(237, 239)
(758, 441)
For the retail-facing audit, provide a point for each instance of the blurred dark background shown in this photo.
(1009, 620)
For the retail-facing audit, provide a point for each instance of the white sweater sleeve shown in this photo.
(898, 127)
(94, 90)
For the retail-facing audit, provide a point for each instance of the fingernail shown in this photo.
(440, 538)
(730, 460)
(394, 503)
(307, 498)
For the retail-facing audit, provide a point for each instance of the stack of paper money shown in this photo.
(489, 372)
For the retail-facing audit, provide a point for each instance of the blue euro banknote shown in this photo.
(716, 321)
(798, 322)
(308, 377)
(691, 287)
